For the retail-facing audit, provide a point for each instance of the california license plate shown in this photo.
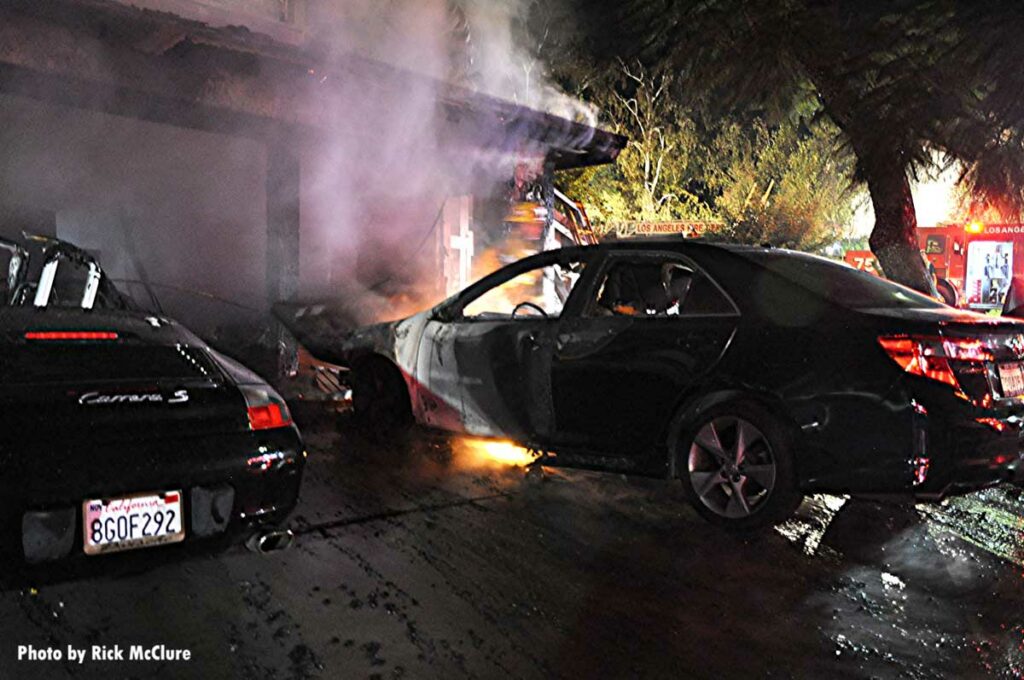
(137, 521)
(1012, 378)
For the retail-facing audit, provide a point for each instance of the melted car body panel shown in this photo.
(499, 375)
(442, 387)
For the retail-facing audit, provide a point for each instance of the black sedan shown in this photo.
(122, 430)
(754, 375)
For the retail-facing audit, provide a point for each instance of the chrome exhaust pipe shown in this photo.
(266, 542)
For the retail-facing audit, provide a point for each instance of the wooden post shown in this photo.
(283, 184)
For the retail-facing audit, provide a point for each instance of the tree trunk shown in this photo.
(884, 167)
(894, 237)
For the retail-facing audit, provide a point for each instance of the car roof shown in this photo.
(676, 244)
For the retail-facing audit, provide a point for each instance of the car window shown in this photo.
(7, 265)
(69, 284)
(842, 284)
(654, 287)
(705, 298)
(544, 289)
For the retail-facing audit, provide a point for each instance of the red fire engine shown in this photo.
(977, 260)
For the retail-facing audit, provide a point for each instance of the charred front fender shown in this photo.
(334, 333)
(328, 333)
(378, 339)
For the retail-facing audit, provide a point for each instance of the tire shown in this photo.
(717, 467)
(380, 400)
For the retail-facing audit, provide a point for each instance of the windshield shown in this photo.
(840, 283)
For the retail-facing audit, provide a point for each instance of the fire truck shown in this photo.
(973, 261)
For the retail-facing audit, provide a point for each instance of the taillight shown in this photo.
(70, 335)
(269, 416)
(929, 356)
(265, 407)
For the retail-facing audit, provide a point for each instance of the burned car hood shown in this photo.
(330, 331)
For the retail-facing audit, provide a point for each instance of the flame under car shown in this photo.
(753, 375)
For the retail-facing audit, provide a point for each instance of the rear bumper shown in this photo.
(917, 439)
(231, 484)
(966, 454)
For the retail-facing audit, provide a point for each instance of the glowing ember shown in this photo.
(490, 452)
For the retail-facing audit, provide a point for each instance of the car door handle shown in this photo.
(529, 341)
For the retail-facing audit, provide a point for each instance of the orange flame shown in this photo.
(489, 452)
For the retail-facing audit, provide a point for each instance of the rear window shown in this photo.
(95, 363)
(841, 284)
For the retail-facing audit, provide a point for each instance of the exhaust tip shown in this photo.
(266, 542)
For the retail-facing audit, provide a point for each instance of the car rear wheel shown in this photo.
(380, 400)
(736, 467)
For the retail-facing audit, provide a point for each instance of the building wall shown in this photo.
(419, 35)
(283, 20)
(187, 209)
(191, 205)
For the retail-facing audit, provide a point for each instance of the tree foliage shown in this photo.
(785, 183)
(900, 79)
(777, 186)
(649, 181)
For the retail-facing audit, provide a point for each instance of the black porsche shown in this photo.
(122, 430)
(754, 375)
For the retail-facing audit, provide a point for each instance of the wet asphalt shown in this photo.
(431, 563)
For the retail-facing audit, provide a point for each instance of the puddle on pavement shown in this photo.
(992, 519)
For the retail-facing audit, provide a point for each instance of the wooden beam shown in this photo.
(205, 88)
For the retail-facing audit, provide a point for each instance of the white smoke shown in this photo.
(376, 166)
(372, 189)
(507, 63)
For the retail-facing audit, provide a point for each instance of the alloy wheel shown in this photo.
(732, 467)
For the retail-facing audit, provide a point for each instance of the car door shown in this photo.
(621, 363)
(490, 350)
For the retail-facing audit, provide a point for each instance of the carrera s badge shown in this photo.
(97, 399)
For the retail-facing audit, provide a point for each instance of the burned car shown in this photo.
(754, 375)
(123, 429)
